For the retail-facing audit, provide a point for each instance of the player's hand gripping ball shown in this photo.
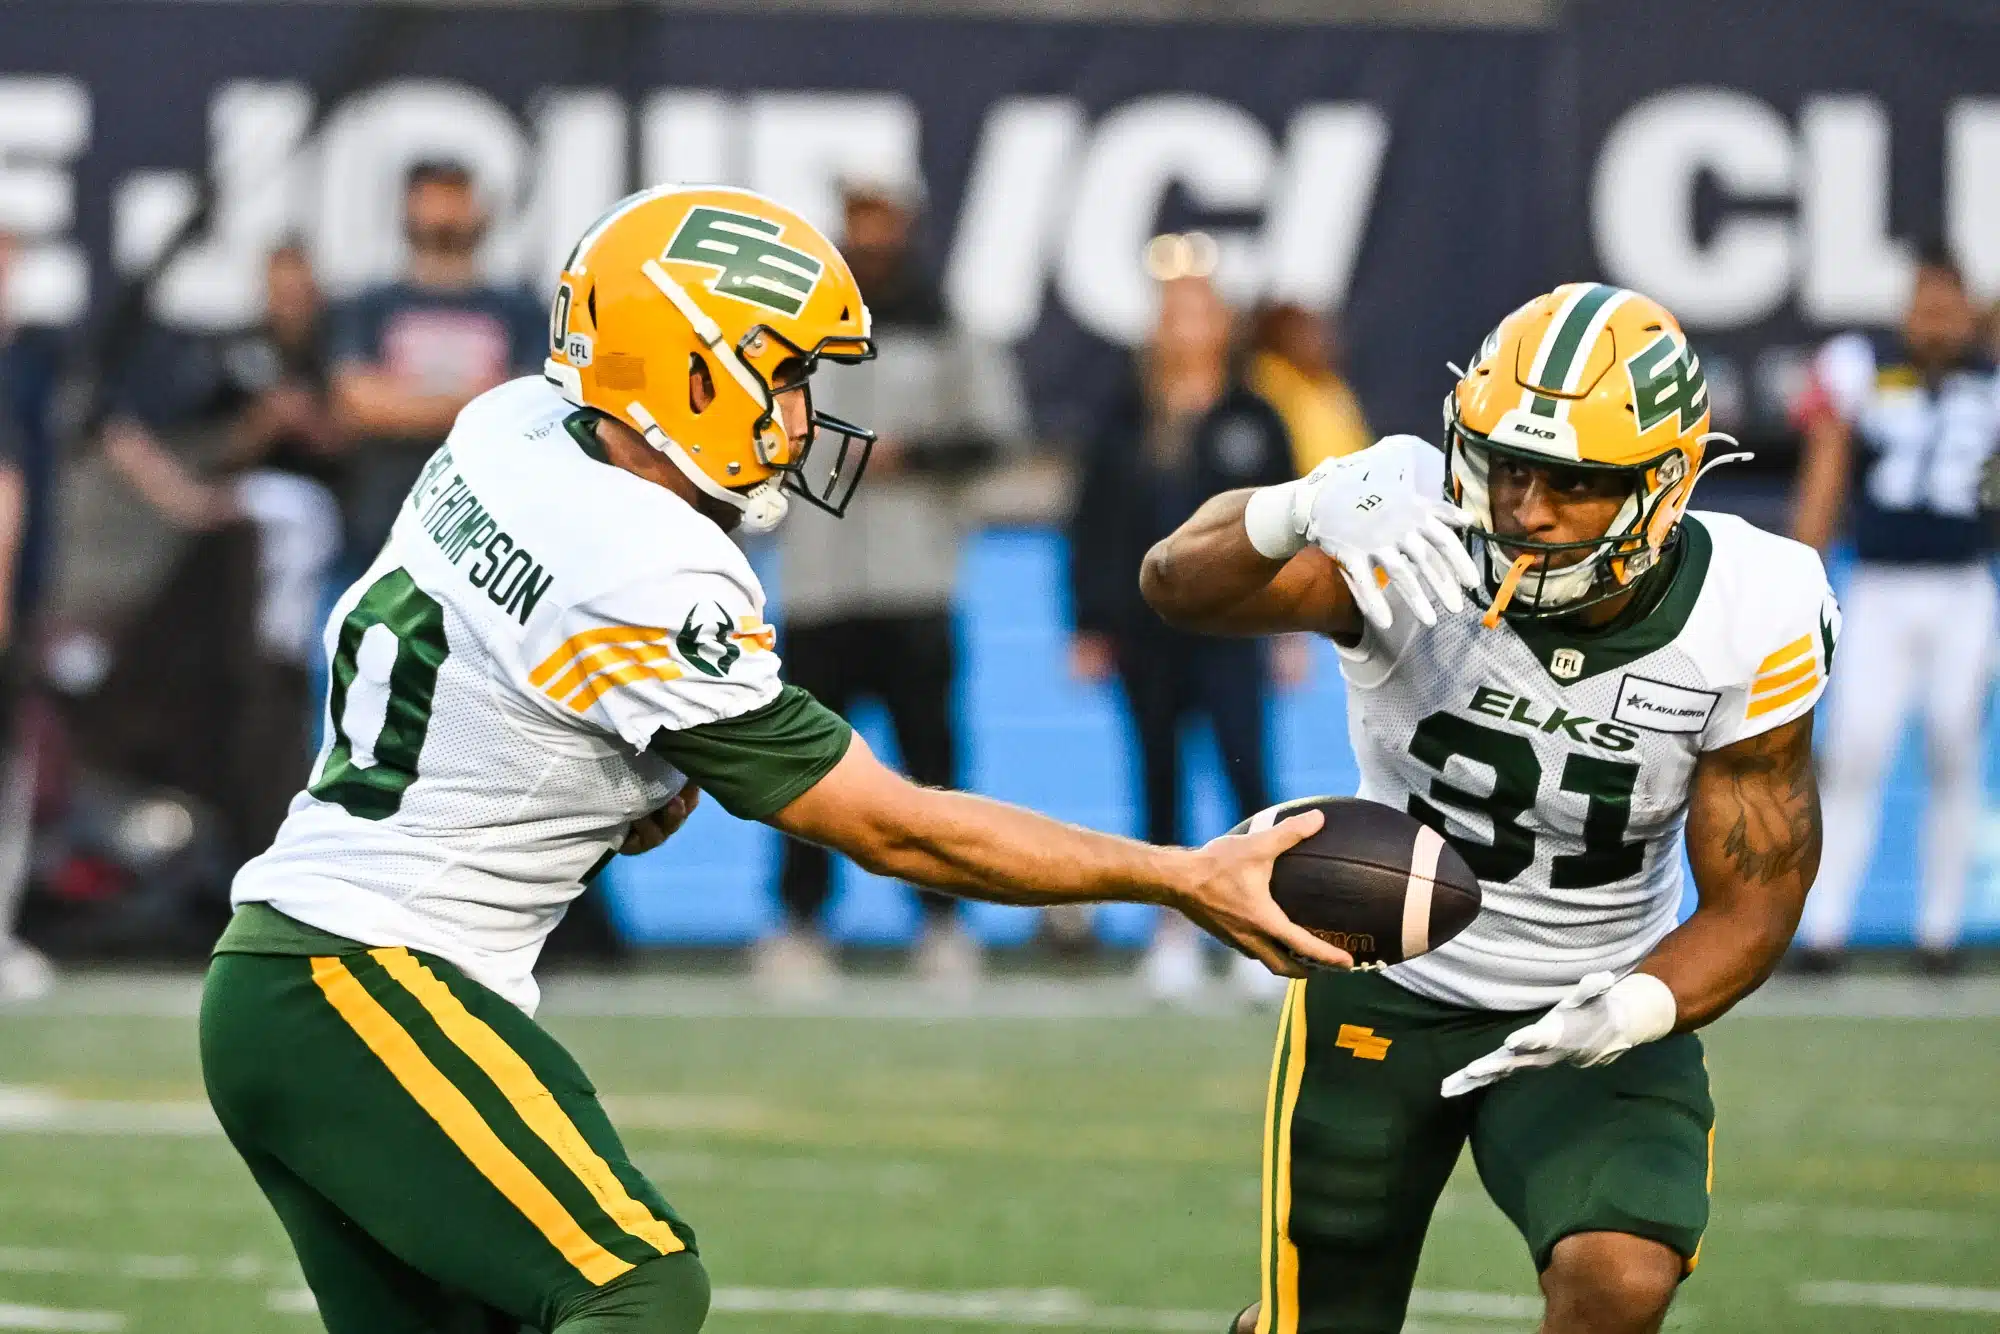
(1372, 881)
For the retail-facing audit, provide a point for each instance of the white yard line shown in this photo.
(27, 1111)
(1850, 1221)
(789, 1173)
(49, 1318)
(1045, 1308)
(1900, 1297)
(666, 995)
(144, 1268)
(1475, 1305)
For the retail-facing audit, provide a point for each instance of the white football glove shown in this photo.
(1601, 1019)
(1379, 508)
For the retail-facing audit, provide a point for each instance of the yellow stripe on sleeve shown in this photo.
(1777, 680)
(659, 668)
(537, 1107)
(1767, 703)
(460, 1120)
(596, 659)
(575, 645)
(1803, 644)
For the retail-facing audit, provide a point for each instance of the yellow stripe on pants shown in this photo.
(1280, 1281)
(460, 1120)
(529, 1097)
(1695, 1259)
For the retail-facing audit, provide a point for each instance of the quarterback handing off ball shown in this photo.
(1373, 881)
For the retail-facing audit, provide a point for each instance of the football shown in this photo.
(1373, 881)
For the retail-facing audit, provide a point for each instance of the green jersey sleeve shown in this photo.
(758, 763)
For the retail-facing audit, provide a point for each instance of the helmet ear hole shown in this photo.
(701, 384)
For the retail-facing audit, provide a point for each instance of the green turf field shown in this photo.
(883, 1173)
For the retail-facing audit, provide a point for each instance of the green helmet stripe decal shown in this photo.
(1568, 338)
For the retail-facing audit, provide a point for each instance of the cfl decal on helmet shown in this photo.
(751, 261)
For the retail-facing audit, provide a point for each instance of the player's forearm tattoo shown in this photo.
(1776, 834)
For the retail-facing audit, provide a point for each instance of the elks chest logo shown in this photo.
(752, 262)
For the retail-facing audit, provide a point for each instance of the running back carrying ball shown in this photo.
(1373, 881)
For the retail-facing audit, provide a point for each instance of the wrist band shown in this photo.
(1267, 521)
(1645, 1007)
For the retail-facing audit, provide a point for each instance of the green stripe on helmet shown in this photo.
(1569, 338)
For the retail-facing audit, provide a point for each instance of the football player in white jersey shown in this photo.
(557, 650)
(1642, 679)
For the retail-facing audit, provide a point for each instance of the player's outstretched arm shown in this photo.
(1207, 577)
(984, 849)
(1753, 839)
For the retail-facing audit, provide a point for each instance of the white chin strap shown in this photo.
(763, 506)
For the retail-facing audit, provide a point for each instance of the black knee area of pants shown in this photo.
(667, 1295)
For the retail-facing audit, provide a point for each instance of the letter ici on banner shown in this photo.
(1054, 202)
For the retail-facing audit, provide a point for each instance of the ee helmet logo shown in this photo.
(753, 264)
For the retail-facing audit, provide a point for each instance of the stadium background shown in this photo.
(1054, 1151)
(1421, 178)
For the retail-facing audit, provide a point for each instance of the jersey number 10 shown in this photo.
(382, 677)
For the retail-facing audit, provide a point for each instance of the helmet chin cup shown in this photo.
(765, 509)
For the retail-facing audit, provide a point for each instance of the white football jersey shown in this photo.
(534, 619)
(1559, 765)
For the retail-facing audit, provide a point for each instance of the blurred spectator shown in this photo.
(1185, 429)
(232, 442)
(24, 973)
(1910, 423)
(1294, 360)
(408, 355)
(868, 599)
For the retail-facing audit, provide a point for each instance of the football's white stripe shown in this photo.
(1264, 819)
(1578, 364)
(1417, 894)
(1548, 343)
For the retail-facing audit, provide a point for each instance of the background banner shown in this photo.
(1423, 182)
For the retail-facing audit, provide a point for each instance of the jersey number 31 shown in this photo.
(1605, 785)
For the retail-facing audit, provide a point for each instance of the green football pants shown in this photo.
(1359, 1145)
(441, 1163)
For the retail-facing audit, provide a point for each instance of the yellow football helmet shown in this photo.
(1588, 376)
(678, 278)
